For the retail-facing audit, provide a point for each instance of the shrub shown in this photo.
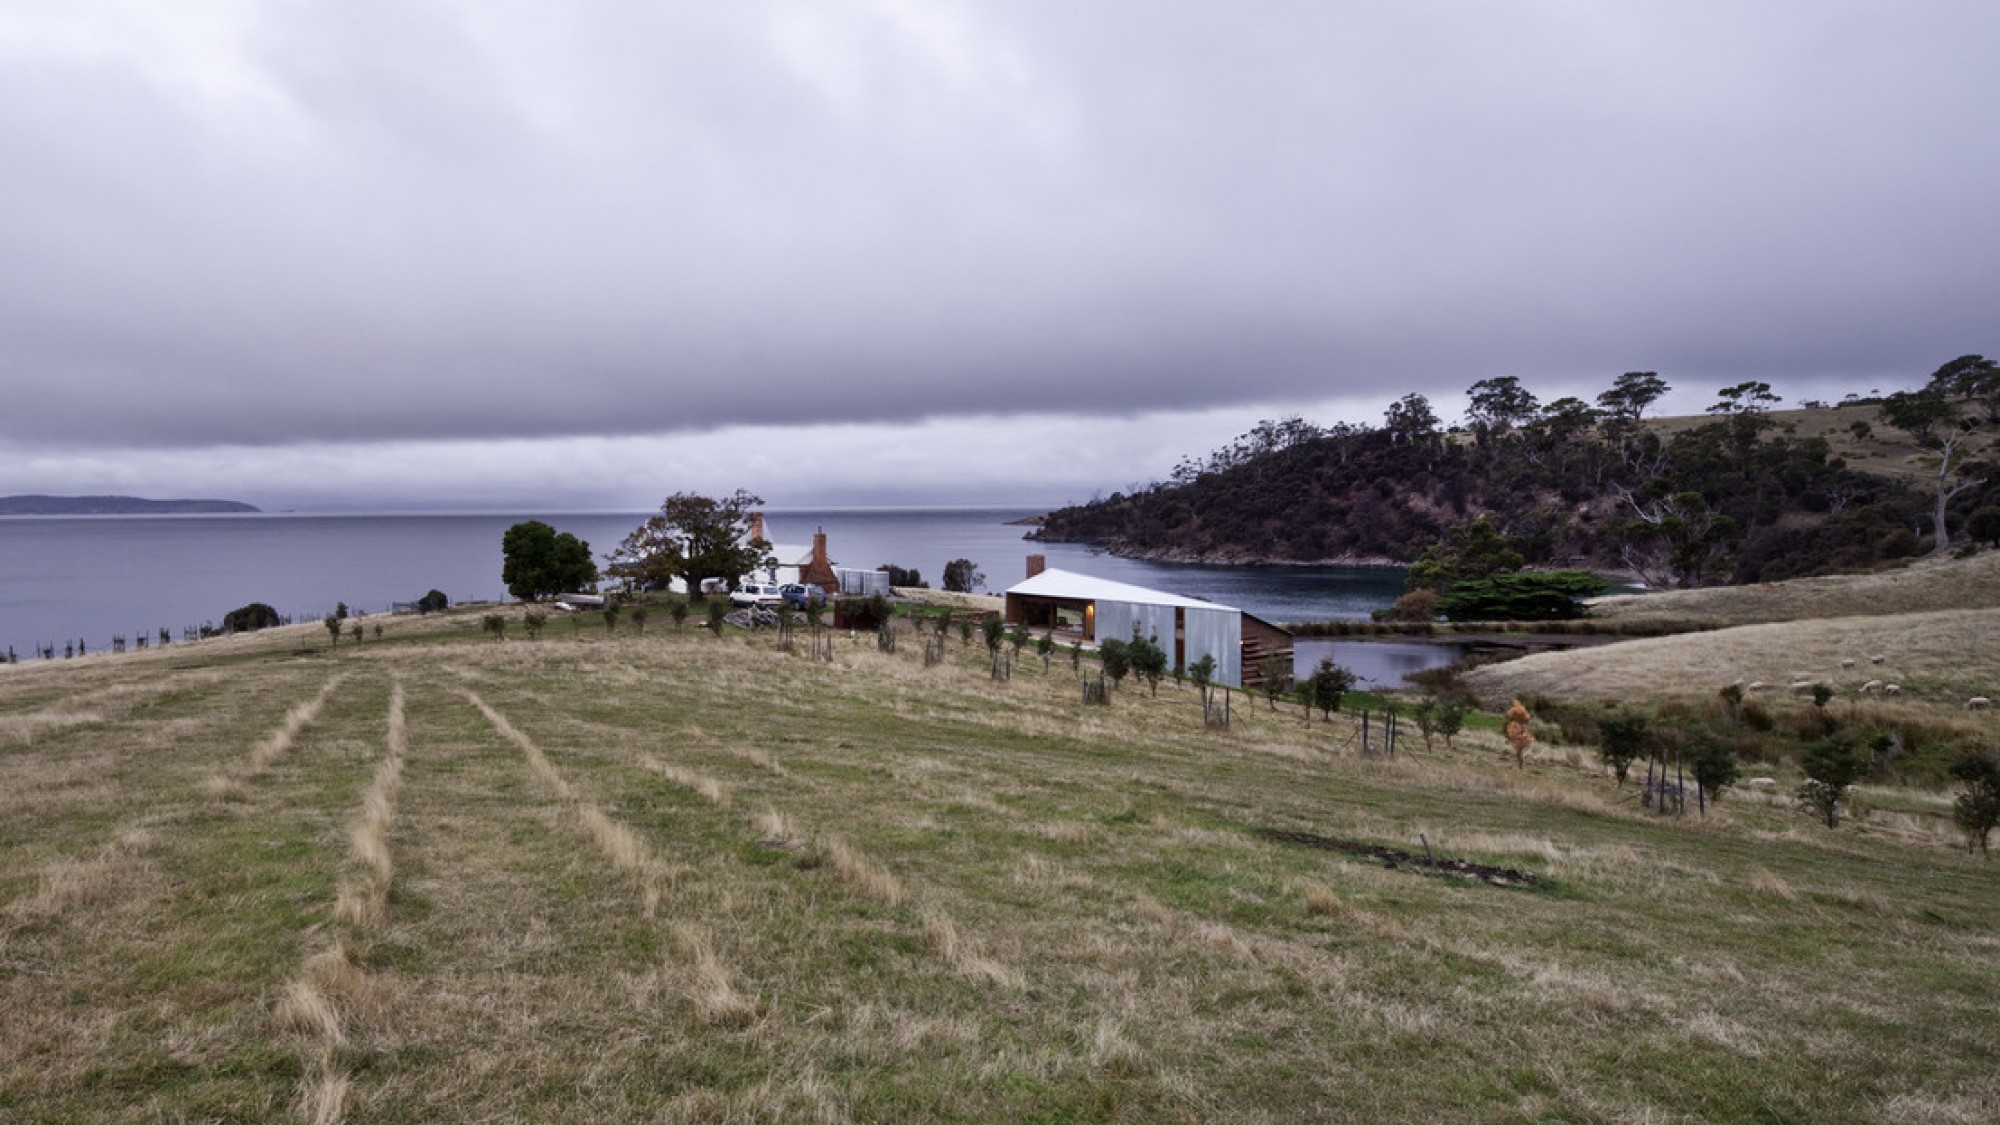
(433, 602)
(249, 618)
(1977, 810)
(1116, 660)
(1329, 683)
(1832, 766)
(1621, 739)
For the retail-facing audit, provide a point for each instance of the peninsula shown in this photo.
(115, 506)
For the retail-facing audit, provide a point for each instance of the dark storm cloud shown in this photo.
(259, 224)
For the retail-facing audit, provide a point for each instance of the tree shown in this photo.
(693, 538)
(1202, 672)
(538, 561)
(1518, 734)
(1498, 405)
(495, 624)
(1748, 397)
(1621, 739)
(1832, 767)
(1329, 683)
(1525, 595)
(249, 618)
(1977, 810)
(1975, 378)
(1945, 430)
(532, 623)
(1148, 659)
(433, 601)
(1676, 541)
(1450, 719)
(1983, 526)
(1276, 670)
(1116, 660)
(1474, 549)
(1715, 768)
(332, 624)
(1410, 418)
(907, 577)
(1630, 395)
(961, 576)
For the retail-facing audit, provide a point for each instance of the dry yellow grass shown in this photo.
(1085, 924)
(1938, 659)
(861, 873)
(1926, 585)
(707, 788)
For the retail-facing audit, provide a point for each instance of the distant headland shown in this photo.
(114, 506)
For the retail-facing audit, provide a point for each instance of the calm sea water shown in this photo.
(90, 578)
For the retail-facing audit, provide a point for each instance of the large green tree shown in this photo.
(694, 537)
(538, 561)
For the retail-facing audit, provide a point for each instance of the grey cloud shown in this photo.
(408, 222)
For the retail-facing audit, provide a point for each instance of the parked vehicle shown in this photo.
(756, 593)
(798, 595)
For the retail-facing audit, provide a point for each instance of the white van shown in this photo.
(756, 593)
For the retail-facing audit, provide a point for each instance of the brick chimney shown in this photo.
(757, 527)
(819, 570)
(1037, 564)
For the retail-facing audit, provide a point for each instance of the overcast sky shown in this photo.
(410, 253)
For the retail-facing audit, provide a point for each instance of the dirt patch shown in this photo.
(1396, 857)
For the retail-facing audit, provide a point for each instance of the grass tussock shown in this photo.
(774, 828)
(942, 936)
(711, 987)
(861, 873)
(1771, 886)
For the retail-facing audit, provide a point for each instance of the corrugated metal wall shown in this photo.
(1216, 632)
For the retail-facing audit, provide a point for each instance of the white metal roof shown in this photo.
(1054, 583)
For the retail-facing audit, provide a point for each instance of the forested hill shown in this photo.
(113, 506)
(1743, 495)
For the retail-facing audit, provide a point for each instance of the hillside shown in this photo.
(114, 506)
(681, 878)
(1927, 628)
(1741, 498)
(1925, 585)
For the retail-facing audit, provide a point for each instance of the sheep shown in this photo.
(1800, 687)
(1978, 703)
(1763, 783)
(1877, 659)
(1871, 686)
(1757, 685)
(1892, 689)
(1846, 664)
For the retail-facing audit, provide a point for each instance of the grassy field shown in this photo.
(1927, 585)
(675, 877)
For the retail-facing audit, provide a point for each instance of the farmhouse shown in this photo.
(1092, 608)
(812, 566)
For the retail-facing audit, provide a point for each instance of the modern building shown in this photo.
(1090, 609)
